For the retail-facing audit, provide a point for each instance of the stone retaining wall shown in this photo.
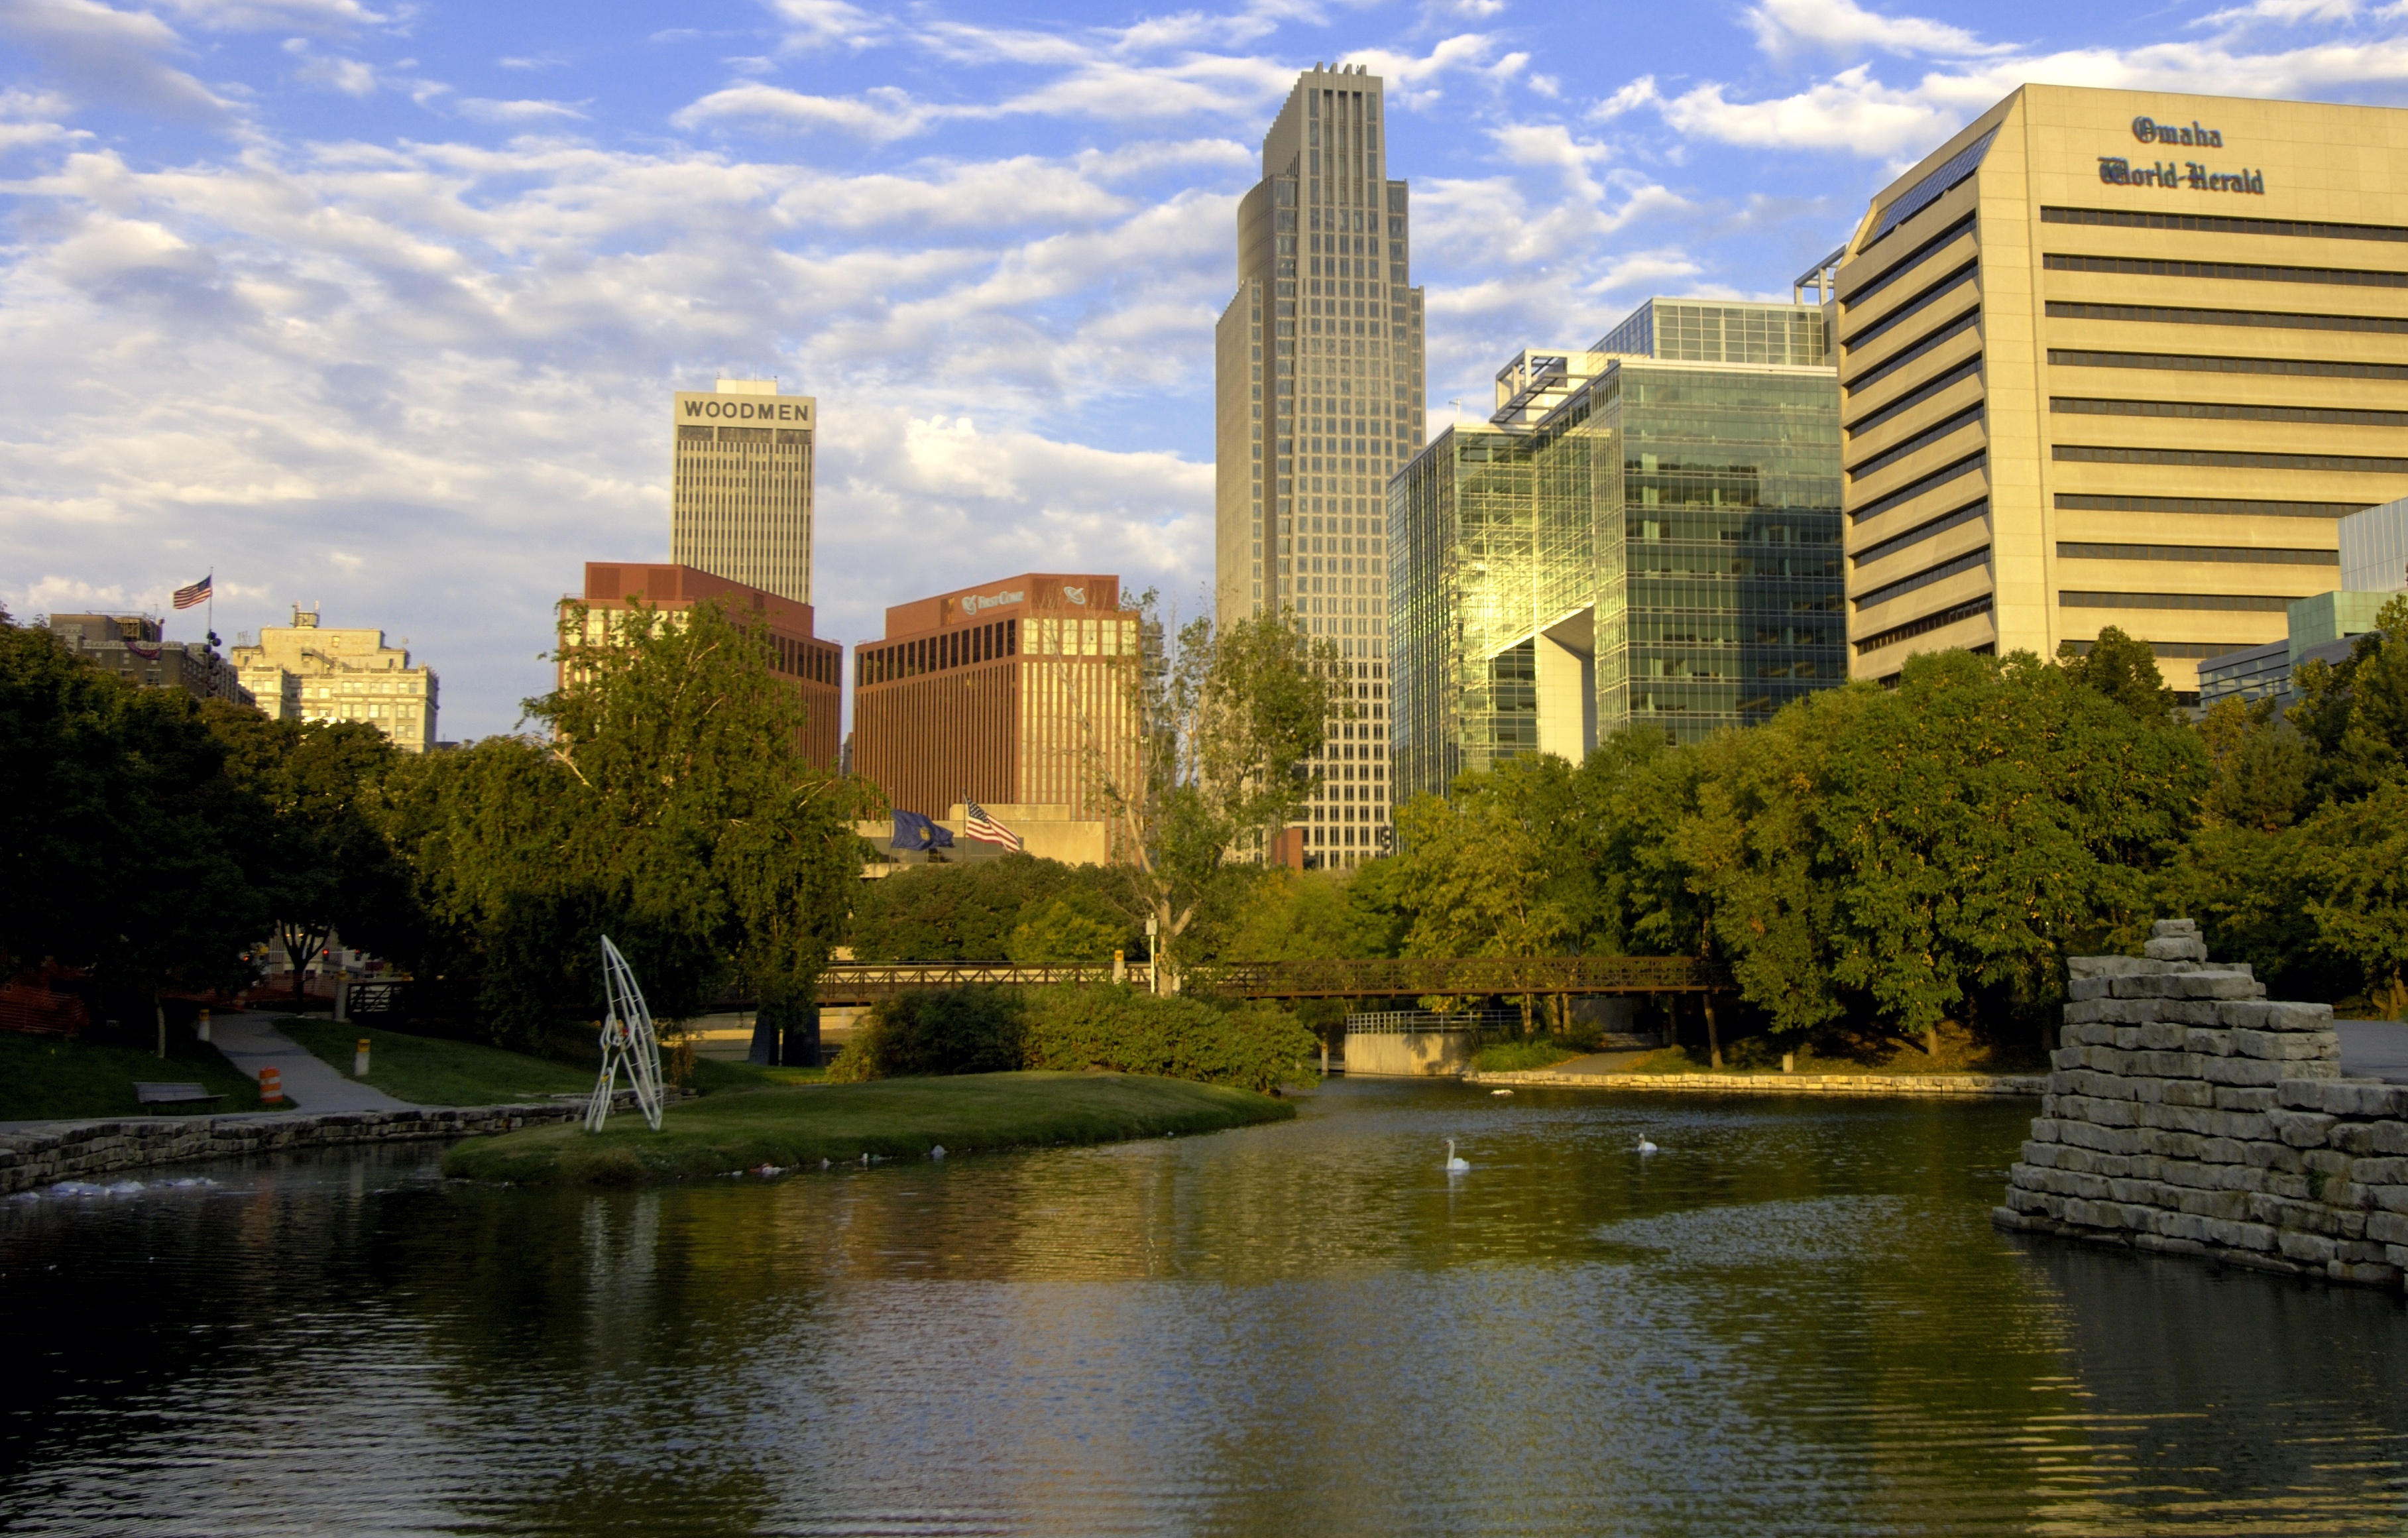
(1782, 1083)
(2189, 1114)
(92, 1149)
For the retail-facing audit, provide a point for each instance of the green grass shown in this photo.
(429, 1070)
(1517, 1056)
(895, 1118)
(45, 1076)
(711, 1075)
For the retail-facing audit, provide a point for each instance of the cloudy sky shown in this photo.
(377, 304)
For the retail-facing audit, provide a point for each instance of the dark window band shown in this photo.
(1917, 486)
(1955, 565)
(2070, 551)
(1928, 623)
(2060, 310)
(2069, 501)
(2144, 268)
(2226, 602)
(1897, 361)
(2169, 648)
(2187, 363)
(1921, 532)
(1968, 417)
(1921, 302)
(2220, 459)
(1906, 264)
(1971, 368)
(2129, 219)
(2212, 412)
(1945, 178)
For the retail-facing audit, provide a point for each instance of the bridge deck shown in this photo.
(1383, 978)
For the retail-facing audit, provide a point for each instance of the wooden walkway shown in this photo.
(1384, 978)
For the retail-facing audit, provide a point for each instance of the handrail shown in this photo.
(1388, 977)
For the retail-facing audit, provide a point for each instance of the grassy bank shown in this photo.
(44, 1076)
(429, 1070)
(895, 1118)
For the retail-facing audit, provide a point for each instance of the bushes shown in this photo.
(986, 1030)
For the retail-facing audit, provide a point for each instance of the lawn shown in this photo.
(46, 1077)
(430, 1070)
(1520, 1056)
(895, 1118)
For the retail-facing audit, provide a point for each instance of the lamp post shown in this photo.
(1153, 958)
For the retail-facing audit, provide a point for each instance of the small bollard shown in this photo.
(1790, 1062)
(201, 1027)
(271, 1086)
(360, 1060)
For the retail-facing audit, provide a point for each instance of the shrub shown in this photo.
(1517, 1056)
(945, 1030)
(1255, 1045)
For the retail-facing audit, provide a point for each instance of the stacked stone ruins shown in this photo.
(2190, 1114)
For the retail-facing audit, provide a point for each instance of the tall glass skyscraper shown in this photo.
(1317, 402)
(1645, 533)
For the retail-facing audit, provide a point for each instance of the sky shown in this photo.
(377, 305)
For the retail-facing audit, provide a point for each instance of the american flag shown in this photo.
(187, 598)
(976, 824)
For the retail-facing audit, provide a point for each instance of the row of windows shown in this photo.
(1921, 532)
(2060, 310)
(1921, 302)
(2143, 267)
(1920, 484)
(1955, 565)
(1928, 623)
(797, 659)
(2219, 459)
(1923, 439)
(2218, 506)
(2227, 602)
(2193, 649)
(2220, 225)
(933, 654)
(1969, 369)
(1896, 360)
(2069, 551)
(2187, 363)
(1906, 264)
(2213, 411)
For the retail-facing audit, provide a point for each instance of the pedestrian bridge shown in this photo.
(853, 982)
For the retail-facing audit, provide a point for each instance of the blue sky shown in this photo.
(379, 305)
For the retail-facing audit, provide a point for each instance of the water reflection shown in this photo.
(1795, 1317)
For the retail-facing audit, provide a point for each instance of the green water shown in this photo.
(1795, 1317)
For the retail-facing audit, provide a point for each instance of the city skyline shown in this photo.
(376, 310)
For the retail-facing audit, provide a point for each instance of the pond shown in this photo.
(1793, 1317)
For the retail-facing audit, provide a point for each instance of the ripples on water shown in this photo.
(1795, 1319)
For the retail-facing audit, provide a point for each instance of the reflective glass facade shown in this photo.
(1663, 548)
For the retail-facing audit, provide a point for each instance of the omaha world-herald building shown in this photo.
(1645, 533)
(1318, 377)
(740, 493)
(2119, 357)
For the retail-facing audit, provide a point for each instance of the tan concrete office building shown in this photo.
(2120, 357)
(341, 675)
(1016, 693)
(740, 493)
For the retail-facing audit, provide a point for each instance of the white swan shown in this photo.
(1454, 1166)
(1645, 1146)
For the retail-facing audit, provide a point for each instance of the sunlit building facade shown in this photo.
(1645, 533)
(740, 490)
(332, 674)
(2120, 357)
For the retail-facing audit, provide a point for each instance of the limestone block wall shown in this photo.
(2188, 1114)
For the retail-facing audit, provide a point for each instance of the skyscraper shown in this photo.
(1318, 397)
(740, 498)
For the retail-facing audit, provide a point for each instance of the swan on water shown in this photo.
(1645, 1146)
(1500, 1092)
(1454, 1166)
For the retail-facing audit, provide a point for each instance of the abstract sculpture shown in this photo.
(627, 1038)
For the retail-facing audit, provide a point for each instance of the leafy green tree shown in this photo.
(2259, 768)
(1073, 928)
(969, 911)
(320, 857)
(1226, 721)
(2354, 857)
(1302, 915)
(2355, 714)
(2123, 669)
(1483, 871)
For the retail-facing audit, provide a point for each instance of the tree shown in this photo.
(1225, 721)
(1072, 929)
(2123, 669)
(321, 864)
(969, 912)
(2354, 863)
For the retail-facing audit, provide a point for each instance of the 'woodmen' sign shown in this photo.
(793, 410)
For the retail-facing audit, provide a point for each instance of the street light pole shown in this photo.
(1153, 957)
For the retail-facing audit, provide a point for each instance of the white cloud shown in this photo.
(888, 114)
(1786, 27)
(278, 15)
(486, 110)
(99, 53)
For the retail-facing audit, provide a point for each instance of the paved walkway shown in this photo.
(2374, 1049)
(252, 1043)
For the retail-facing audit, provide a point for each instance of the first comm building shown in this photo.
(2119, 357)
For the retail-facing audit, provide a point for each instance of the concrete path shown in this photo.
(2374, 1049)
(252, 1043)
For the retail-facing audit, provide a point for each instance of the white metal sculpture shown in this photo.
(627, 1039)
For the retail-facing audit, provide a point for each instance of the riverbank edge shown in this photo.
(1946, 1086)
(84, 1150)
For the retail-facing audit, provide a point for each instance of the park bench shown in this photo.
(173, 1094)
